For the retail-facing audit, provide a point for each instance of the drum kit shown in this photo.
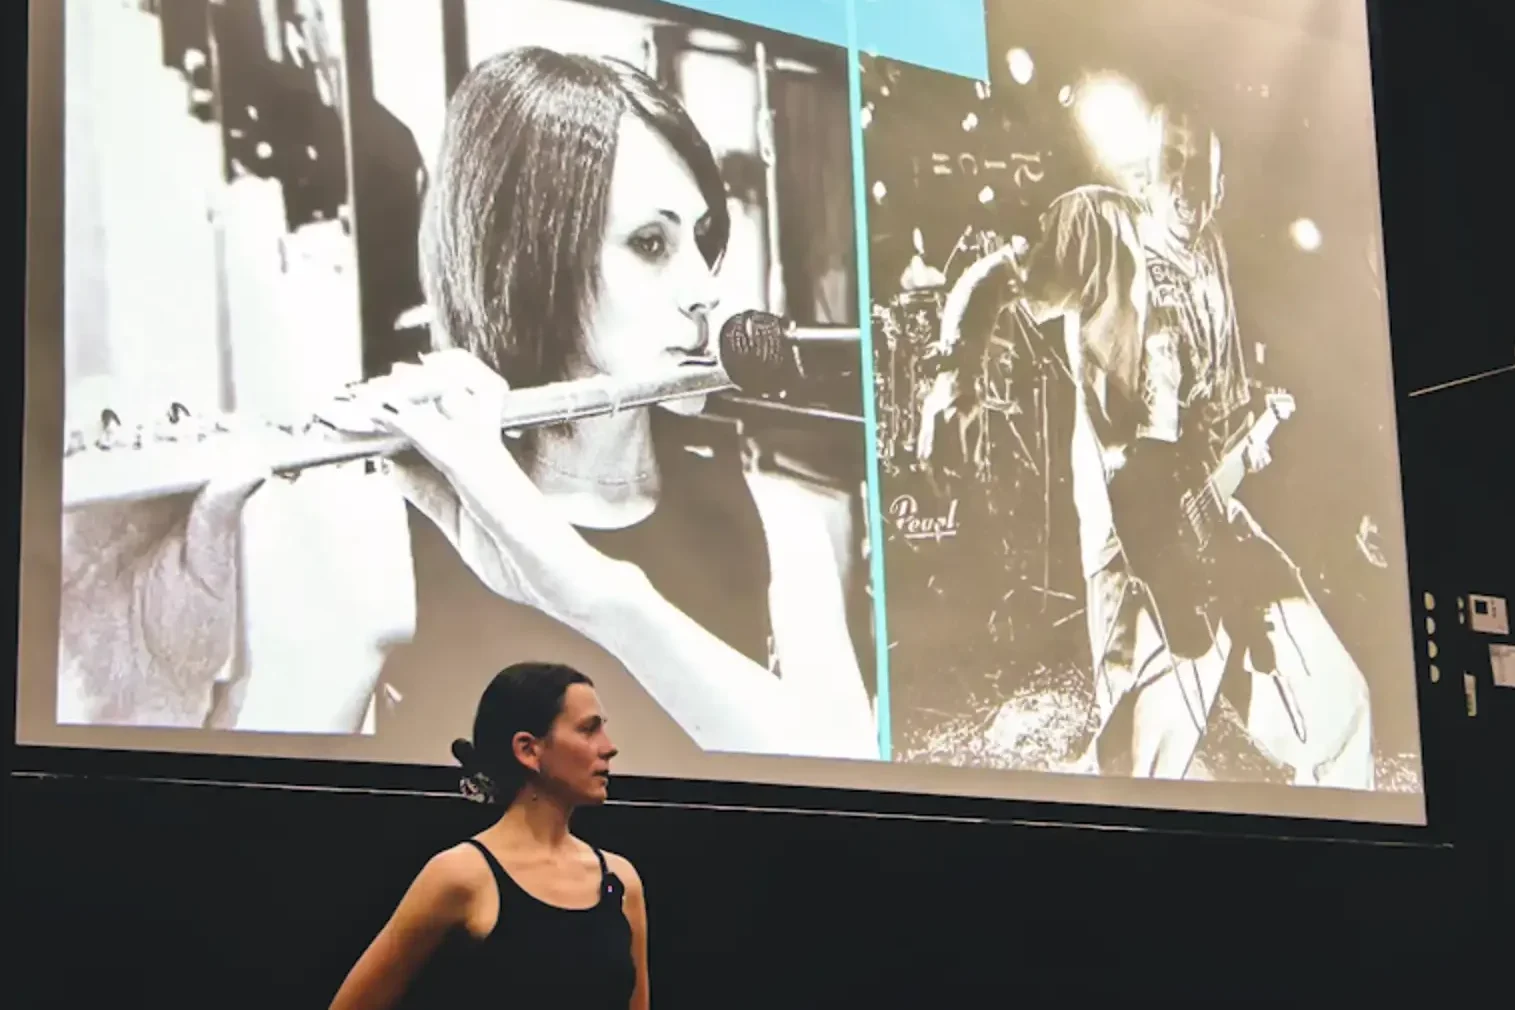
(997, 454)
(905, 334)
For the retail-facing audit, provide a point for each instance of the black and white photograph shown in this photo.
(1136, 427)
(321, 253)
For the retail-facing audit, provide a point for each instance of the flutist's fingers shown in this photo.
(449, 409)
(463, 443)
(356, 410)
(455, 382)
(473, 394)
(513, 537)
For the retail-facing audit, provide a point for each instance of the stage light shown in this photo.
(880, 191)
(970, 123)
(1021, 66)
(1305, 234)
(866, 115)
(986, 195)
(1065, 95)
(1115, 121)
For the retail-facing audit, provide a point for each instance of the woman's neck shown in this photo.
(536, 819)
(601, 471)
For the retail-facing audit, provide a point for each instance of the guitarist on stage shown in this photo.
(1138, 278)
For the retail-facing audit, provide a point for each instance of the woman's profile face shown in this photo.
(578, 750)
(656, 291)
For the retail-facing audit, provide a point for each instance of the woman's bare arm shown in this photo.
(634, 904)
(810, 560)
(507, 531)
(437, 902)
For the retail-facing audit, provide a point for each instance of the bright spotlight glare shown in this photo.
(1021, 66)
(1115, 121)
(1306, 234)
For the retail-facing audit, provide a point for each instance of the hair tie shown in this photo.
(463, 752)
(474, 784)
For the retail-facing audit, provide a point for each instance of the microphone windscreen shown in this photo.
(755, 353)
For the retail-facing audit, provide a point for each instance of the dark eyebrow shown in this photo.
(673, 218)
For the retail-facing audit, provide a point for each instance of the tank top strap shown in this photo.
(503, 882)
(610, 884)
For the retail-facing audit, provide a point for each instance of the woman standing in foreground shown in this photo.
(523, 908)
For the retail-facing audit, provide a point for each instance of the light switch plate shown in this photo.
(1489, 615)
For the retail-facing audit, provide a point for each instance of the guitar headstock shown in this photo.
(1281, 404)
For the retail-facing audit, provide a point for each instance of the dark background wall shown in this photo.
(164, 895)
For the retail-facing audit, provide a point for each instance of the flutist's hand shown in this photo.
(467, 482)
(148, 604)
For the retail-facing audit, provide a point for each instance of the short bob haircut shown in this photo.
(515, 219)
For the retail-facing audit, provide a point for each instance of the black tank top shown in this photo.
(703, 548)
(537, 955)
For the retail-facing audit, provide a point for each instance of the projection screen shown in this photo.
(1069, 471)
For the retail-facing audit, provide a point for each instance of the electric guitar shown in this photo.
(1171, 509)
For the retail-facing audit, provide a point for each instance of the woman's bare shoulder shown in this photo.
(463, 862)
(453, 878)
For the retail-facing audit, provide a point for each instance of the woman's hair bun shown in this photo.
(475, 784)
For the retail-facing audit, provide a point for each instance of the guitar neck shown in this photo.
(1232, 469)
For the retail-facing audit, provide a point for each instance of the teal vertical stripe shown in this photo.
(870, 399)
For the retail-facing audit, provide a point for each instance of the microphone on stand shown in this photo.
(757, 355)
